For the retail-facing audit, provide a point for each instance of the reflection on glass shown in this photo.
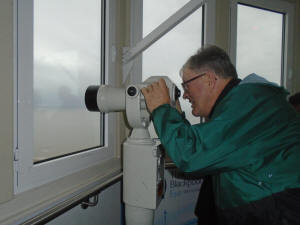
(67, 51)
(168, 54)
(259, 43)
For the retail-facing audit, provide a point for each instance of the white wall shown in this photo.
(6, 100)
(106, 212)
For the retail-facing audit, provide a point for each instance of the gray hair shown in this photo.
(214, 58)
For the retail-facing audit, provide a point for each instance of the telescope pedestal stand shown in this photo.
(140, 164)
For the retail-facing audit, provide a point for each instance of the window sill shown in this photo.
(24, 206)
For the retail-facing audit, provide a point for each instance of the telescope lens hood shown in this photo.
(91, 98)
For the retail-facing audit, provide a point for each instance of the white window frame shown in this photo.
(287, 53)
(132, 56)
(27, 174)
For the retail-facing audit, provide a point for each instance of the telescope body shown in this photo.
(105, 98)
(143, 157)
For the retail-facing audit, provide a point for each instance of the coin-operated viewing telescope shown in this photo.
(143, 161)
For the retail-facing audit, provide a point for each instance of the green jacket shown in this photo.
(251, 145)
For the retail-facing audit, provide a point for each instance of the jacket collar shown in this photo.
(232, 83)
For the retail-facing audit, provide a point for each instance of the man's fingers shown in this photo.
(155, 85)
(144, 91)
(148, 89)
(156, 94)
(162, 83)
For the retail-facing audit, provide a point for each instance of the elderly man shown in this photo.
(250, 144)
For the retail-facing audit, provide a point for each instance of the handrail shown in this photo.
(70, 203)
(66, 205)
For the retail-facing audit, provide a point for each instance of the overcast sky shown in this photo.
(66, 50)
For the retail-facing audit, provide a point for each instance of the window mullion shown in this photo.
(233, 31)
(25, 91)
(209, 22)
(288, 48)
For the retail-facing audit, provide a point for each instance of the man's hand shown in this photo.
(156, 94)
(178, 106)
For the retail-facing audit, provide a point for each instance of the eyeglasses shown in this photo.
(184, 84)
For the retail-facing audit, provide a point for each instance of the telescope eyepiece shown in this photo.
(177, 92)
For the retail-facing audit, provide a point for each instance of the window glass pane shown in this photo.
(168, 54)
(67, 59)
(155, 12)
(259, 43)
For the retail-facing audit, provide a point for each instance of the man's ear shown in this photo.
(212, 80)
